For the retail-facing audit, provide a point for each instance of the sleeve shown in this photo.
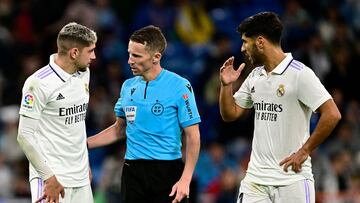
(33, 98)
(187, 110)
(27, 142)
(119, 112)
(311, 91)
(242, 97)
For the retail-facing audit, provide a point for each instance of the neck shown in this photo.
(152, 73)
(64, 64)
(274, 56)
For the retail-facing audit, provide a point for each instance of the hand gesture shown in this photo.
(52, 191)
(227, 73)
(181, 189)
(295, 160)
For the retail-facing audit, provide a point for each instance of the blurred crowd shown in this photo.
(324, 34)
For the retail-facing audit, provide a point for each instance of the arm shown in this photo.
(229, 110)
(182, 187)
(108, 136)
(26, 140)
(329, 117)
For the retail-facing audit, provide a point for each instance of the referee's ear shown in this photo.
(156, 58)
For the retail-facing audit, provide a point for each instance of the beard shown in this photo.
(80, 67)
(256, 58)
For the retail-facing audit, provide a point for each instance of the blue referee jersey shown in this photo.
(156, 112)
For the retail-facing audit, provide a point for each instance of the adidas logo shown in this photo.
(60, 96)
(252, 90)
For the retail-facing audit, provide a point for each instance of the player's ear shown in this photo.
(260, 41)
(156, 58)
(73, 52)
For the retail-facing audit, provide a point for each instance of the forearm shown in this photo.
(191, 153)
(28, 145)
(227, 103)
(329, 118)
(108, 136)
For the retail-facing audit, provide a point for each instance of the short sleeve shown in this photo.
(243, 95)
(311, 91)
(119, 112)
(187, 110)
(34, 98)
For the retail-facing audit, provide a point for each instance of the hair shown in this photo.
(75, 35)
(267, 24)
(152, 37)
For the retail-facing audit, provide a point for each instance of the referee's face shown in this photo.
(140, 60)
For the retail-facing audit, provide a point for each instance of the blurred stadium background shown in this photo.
(324, 34)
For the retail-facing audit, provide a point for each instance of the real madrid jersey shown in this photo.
(156, 112)
(284, 100)
(59, 101)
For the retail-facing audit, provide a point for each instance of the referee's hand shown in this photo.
(52, 191)
(181, 189)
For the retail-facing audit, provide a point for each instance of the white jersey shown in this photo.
(284, 100)
(59, 101)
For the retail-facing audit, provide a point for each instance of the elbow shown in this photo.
(337, 116)
(227, 118)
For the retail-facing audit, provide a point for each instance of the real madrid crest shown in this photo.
(281, 90)
(87, 88)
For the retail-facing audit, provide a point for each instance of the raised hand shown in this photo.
(228, 74)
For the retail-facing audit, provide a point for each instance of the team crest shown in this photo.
(87, 88)
(281, 90)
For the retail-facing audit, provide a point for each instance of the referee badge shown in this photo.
(281, 90)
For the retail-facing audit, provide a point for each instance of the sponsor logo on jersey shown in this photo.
(189, 87)
(187, 105)
(28, 101)
(267, 111)
(132, 90)
(60, 97)
(281, 90)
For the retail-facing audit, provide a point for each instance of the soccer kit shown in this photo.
(59, 101)
(156, 111)
(284, 100)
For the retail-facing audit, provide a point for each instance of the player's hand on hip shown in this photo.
(228, 74)
(181, 189)
(295, 160)
(52, 191)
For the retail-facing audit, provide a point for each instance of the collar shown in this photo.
(279, 69)
(157, 78)
(63, 75)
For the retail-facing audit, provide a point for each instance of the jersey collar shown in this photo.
(64, 76)
(280, 69)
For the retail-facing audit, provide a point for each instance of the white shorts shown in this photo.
(72, 194)
(302, 191)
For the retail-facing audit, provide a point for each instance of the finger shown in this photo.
(40, 199)
(284, 161)
(241, 67)
(286, 166)
(228, 61)
(172, 191)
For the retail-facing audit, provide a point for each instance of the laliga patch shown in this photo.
(28, 101)
(130, 113)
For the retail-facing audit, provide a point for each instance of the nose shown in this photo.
(130, 61)
(242, 48)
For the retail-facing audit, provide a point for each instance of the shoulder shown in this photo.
(175, 79)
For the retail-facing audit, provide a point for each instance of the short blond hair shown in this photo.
(75, 35)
